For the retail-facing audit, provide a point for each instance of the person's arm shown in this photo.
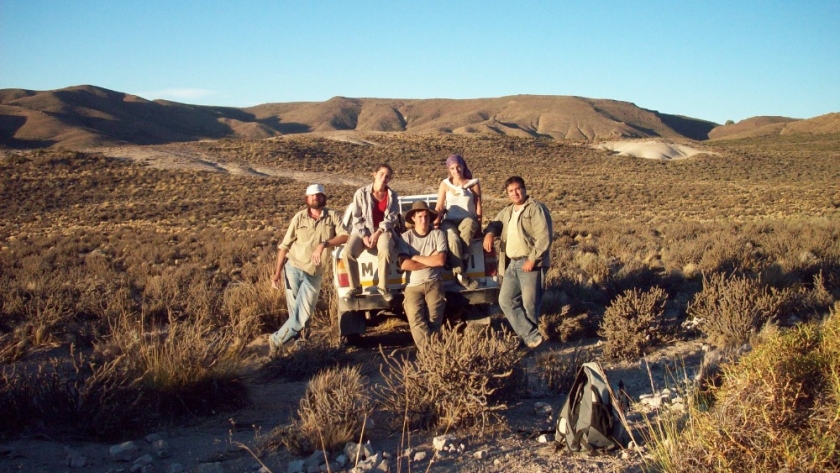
(541, 233)
(493, 229)
(332, 242)
(413, 263)
(440, 206)
(278, 270)
(477, 191)
(359, 223)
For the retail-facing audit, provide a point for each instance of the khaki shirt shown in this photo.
(305, 233)
(535, 229)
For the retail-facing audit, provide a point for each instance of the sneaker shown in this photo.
(274, 347)
(386, 295)
(355, 292)
(535, 342)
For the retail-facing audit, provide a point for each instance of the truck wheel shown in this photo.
(351, 323)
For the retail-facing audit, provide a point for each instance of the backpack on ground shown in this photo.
(588, 419)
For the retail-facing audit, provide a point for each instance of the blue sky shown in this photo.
(714, 60)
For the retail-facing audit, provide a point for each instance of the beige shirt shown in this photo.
(305, 233)
(516, 246)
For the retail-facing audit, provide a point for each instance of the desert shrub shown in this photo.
(462, 379)
(776, 410)
(557, 371)
(729, 309)
(332, 412)
(633, 322)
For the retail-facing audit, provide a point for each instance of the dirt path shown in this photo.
(177, 157)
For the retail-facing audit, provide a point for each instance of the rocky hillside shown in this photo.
(87, 116)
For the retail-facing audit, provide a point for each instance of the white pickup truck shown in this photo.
(352, 314)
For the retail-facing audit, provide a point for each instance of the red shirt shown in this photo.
(378, 211)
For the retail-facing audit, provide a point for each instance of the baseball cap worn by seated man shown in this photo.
(315, 189)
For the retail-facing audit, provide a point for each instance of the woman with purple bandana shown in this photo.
(459, 214)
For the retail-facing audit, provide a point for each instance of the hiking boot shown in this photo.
(386, 295)
(535, 342)
(355, 292)
(469, 283)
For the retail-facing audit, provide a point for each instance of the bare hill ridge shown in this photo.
(88, 116)
(772, 126)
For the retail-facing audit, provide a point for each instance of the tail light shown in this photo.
(341, 274)
(491, 263)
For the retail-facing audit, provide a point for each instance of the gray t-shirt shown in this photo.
(412, 244)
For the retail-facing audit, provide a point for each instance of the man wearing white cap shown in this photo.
(303, 254)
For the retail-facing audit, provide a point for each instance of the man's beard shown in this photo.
(320, 203)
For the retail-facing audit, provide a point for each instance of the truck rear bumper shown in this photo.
(484, 295)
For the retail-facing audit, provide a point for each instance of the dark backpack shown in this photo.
(588, 419)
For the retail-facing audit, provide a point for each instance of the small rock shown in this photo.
(141, 462)
(295, 466)
(123, 452)
(625, 455)
(209, 468)
(542, 408)
(152, 438)
(341, 459)
(480, 455)
(497, 462)
(442, 441)
(545, 438)
(161, 448)
(313, 469)
(263, 469)
(419, 456)
(175, 468)
(317, 459)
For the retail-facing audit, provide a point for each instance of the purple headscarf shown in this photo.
(456, 158)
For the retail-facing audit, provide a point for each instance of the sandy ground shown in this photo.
(273, 401)
(650, 149)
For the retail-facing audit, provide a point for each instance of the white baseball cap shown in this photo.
(315, 189)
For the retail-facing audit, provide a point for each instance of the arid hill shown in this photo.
(772, 126)
(87, 116)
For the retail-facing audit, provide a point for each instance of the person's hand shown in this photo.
(316, 255)
(436, 221)
(366, 241)
(488, 243)
(528, 266)
(374, 238)
(275, 279)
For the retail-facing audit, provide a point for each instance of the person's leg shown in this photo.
(511, 303)
(415, 311)
(531, 285)
(301, 296)
(466, 229)
(436, 302)
(384, 256)
(453, 242)
(354, 247)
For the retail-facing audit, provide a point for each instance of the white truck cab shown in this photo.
(473, 305)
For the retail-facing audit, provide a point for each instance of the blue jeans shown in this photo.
(302, 291)
(520, 298)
